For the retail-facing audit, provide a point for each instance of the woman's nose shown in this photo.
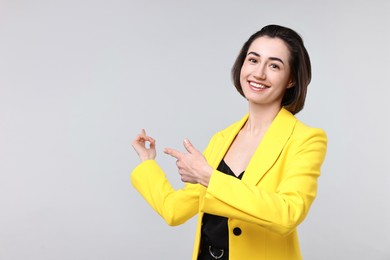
(259, 72)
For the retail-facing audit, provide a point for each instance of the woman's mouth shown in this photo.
(257, 86)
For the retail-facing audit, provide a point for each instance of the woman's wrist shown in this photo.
(204, 178)
(145, 159)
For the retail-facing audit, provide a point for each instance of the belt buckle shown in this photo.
(221, 252)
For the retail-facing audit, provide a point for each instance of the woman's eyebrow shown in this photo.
(253, 53)
(271, 58)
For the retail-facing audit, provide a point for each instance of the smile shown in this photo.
(257, 85)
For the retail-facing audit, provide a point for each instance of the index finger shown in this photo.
(173, 152)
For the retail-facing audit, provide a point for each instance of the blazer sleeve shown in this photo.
(279, 209)
(174, 206)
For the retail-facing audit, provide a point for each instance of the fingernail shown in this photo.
(186, 141)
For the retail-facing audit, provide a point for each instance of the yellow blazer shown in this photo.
(265, 207)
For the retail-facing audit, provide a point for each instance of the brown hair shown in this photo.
(294, 97)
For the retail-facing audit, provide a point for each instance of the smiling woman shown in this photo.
(264, 77)
(256, 180)
(297, 60)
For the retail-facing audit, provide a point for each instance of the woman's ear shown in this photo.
(290, 84)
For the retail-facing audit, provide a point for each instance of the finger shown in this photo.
(173, 153)
(152, 143)
(140, 140)
(143, 137)
(140, 137)
(189, 147)
(146, 137)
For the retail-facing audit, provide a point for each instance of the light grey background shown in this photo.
(79, 79)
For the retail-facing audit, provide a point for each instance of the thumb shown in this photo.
(189, 147)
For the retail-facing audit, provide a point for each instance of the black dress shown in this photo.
(214, 231)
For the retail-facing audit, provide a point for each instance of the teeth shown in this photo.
(256, 85)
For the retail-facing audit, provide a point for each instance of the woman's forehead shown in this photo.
(270, 47)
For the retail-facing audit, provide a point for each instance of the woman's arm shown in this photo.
(175, 206)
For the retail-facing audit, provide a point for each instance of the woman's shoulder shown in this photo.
(302, 129)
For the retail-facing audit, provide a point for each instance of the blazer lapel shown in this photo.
(227, 139)
(270, 147)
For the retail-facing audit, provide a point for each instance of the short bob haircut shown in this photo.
(294, 97)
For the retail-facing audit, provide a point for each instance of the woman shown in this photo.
(256, 180)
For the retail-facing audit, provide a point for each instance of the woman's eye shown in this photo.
(252, 60)
(274, 66)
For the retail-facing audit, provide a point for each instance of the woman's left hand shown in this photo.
(192, 166)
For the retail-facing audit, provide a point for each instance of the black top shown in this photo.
(215, 228)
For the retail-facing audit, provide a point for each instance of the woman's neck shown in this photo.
(260, 118)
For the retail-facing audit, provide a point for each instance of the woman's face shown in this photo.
(265, 73)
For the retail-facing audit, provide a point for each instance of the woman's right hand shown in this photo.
(144, 151)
